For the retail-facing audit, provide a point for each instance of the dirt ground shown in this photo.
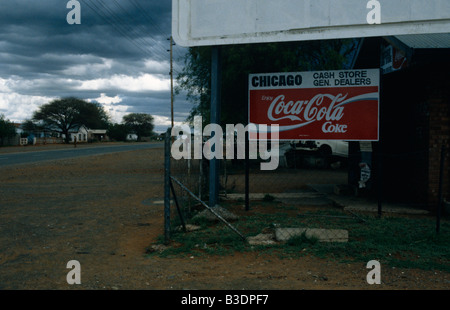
(95, 210)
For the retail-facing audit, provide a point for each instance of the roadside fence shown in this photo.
(269, 206)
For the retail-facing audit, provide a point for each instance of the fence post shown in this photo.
(380, 181)
(380, 147)
(200, 178)
(441, 177)
(167, 186)
(247, 171)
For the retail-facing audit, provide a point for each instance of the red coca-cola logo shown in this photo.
(320, 107)
(349, 113)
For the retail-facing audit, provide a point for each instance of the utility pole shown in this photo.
(171, 77)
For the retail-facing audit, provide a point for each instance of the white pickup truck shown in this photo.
(323, 149)
(333, 147)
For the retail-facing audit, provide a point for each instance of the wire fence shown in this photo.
(250, 200)
(307, 197)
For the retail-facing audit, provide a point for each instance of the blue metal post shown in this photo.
(215, 119)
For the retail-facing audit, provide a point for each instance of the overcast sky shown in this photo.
(117, 56)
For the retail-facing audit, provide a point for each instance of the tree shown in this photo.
(7, 129)
(139, 123)
(238, 61)
(63, 115)
(29, 126)
(118, 132)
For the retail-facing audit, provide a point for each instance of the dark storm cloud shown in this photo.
(34, 28)
(118, 49)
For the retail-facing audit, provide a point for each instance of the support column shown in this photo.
(215, 119)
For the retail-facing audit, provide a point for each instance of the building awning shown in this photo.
(417, 48)
(425, 41)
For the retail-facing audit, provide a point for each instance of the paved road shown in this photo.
(9, 159)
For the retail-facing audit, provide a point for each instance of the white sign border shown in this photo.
(182, 32)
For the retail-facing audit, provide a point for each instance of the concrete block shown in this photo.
(322, 235)
(261, 239)
(189, 227)
(327, 235)
(260, 196)
(284, 234)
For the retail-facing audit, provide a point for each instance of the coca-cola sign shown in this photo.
(321, 105)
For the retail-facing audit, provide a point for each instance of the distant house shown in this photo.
(97, 134)
(84, 134)
(79, 134)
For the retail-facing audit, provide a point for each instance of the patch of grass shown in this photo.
(394, 241)
(213, 240)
